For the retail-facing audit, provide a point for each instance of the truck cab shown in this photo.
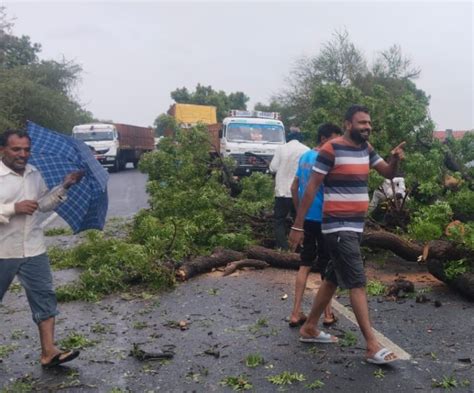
(103, 140)
(251, 138)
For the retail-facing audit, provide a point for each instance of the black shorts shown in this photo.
(314, 252)
(346, 268)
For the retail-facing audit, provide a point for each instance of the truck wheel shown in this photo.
(116, 166)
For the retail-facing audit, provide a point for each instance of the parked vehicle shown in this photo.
(249, 137)
(114, 145)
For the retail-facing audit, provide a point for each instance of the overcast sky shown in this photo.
(135, 53)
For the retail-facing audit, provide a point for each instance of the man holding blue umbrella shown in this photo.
(23, 193)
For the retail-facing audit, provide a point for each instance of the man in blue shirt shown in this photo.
(313, 252)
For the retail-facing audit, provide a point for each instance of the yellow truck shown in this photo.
(188, 115)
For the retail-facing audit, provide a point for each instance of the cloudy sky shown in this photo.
(135, 53)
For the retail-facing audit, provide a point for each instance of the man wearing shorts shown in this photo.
(23, 193)
(313, 253)
(343, 164)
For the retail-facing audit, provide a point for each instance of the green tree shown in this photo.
(165, 123)
(30, 89)
(206, 95)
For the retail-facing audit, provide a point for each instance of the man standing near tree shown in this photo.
(343, 164)
(314, 252)
(23, 193)
(284, 164)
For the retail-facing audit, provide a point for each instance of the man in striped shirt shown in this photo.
(343, 164)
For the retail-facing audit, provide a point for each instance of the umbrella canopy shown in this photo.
(55, 155)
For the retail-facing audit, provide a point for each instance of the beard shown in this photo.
(360, 135)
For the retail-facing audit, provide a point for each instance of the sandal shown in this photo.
(330, 322)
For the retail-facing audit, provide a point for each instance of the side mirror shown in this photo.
(220, 133)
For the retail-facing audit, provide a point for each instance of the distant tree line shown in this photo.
(32, 89)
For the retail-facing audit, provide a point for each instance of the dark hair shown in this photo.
(21, 133)
(353, 109)
(294, 136)
(326, 130)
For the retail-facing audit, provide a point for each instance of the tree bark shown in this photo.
(203, 264)
(285, 260)
(233, 266)
(380, 238)
(463, 283)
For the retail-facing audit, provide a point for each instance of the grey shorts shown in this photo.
(35, 276)
(346, 268)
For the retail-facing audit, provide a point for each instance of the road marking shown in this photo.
(385, 341)
(49, 220)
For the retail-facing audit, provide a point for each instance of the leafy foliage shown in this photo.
(237, 383)
(429, 221)
(454, 269)
(110, 265)
(191, 210)
(286, 378)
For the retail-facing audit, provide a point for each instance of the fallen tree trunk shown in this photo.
(379, 238)
(440, 255)
(463, 283)
(284, 260)
(233, 266)
(203, 264)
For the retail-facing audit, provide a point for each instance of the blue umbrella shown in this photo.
(55, 155)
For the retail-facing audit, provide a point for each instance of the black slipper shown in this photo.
(60, 358)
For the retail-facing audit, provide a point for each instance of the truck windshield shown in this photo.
(94, 136)
(246, 132)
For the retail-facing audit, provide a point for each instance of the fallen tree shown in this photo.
(440, 257)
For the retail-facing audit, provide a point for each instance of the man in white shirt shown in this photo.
(284, 164)
(23, 193)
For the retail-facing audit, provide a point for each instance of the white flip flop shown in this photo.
(379, 357)
(321, 338)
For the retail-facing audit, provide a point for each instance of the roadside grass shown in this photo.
(316, 384)
(237, 383)
(449, 382)
(59, 231)
(349, 340)
(6, 350)
(254, 360)
(286, 378)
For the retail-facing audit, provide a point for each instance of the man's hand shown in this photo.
(295, 239)
(26, 207)
(72, 178)
(398, 153)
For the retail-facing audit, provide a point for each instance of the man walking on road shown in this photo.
(23, 193)
(314, 251)
(284, 164)
(343, 164)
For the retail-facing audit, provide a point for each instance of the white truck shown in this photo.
(116, 144)
(250, 138)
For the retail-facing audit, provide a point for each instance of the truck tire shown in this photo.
(116, 167)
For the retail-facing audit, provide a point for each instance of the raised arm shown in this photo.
(390, 170)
